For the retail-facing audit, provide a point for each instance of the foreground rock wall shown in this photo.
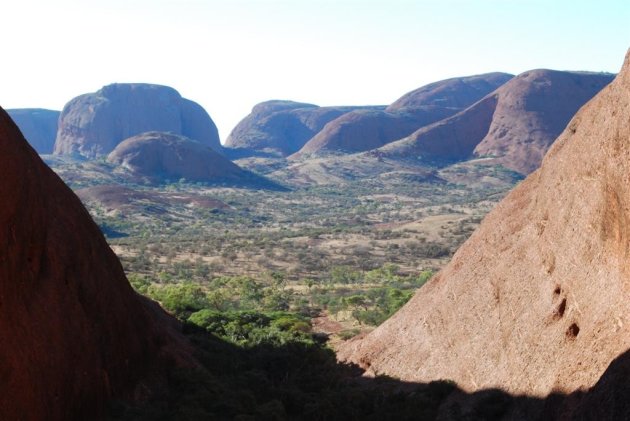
(74, 333)
(538, 299)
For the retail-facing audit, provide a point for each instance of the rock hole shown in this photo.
(562, 307)
(365, 363)
(573, 331)
(558, 290)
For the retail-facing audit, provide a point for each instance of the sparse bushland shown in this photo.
(370, 297)
(247, 278)
(371, 237)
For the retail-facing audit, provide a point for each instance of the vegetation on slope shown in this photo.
(270, 366)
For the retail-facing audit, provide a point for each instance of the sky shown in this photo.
(229, 55)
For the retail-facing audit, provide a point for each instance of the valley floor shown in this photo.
(350, 249)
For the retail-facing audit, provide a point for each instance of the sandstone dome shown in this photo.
(363, 130)
(92, 125)
(515, 125)
(282, 127)
(163, 156)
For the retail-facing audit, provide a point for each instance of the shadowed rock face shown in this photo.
(282, 127)
(91, 125)
(360, 131)
(538, 299)
(516, 124)
(38, 126)
(74, 333)
(163, 156)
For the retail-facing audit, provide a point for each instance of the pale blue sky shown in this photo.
(229, 55)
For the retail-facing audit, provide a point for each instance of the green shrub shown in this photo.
(181, 299)
(348, 334)
(250, 328)
(139, 283)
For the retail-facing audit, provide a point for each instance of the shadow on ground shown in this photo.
(297, 381)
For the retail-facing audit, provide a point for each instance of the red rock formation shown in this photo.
(38, 126)
(532, 111)
(458, 92)
(281, 127)
(516, 124)
(159, 156)
(91, 125)
(451, 139)
(538, 299)
(363, 130)
(73, 332)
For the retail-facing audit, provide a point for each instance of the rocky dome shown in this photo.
(39, 127)
(516, 124)
(538, 299)
(281, 127)
(91, 125)
(160, 156)
(458, 92)
(74, 333)
(363, 130)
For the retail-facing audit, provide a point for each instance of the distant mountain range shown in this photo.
(509, 121)
(362, 131)
(281, 128)
(516, 124)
